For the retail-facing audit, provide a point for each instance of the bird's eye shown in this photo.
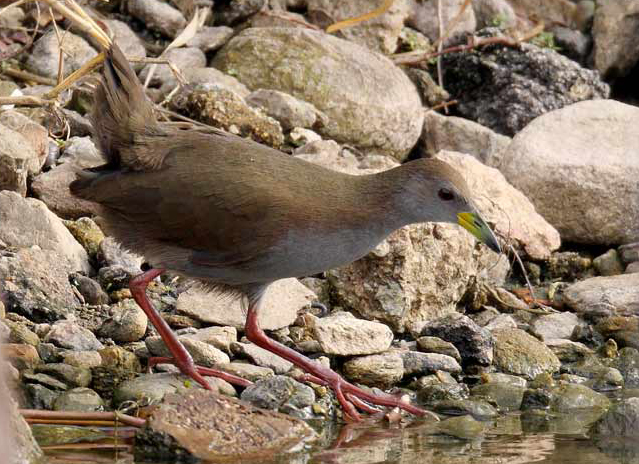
(445, 194)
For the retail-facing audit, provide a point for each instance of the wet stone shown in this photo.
(506, 397)
(280, 393)
(79, 399)
(463, 427)
(478, 409)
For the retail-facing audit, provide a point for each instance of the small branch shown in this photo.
(75, 76)
(87, 416)
(445, 104)
(27, 76)
(365, 17)
(26, 100)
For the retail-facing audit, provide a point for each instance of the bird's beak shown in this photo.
(474, 224)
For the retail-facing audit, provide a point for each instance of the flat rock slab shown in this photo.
(203, 425)
(605, 296)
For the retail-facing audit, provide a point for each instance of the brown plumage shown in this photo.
(237, 215)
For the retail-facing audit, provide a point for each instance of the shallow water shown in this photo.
(511, 439)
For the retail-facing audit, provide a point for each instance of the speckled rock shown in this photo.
(127, 323)
(518, 353)
(615, 32)
(280, 393)
(558, 325)
(605, 296)
(73, 337)
(369, 101)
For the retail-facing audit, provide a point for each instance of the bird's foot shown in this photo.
(197, 373)
(351, 397)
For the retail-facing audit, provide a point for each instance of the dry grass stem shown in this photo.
(365, 17)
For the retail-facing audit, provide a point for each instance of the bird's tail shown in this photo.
(123, 121)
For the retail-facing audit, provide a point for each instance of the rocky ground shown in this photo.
(545, 133)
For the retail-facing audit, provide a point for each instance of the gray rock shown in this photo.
(261, 357)
(234, 12)
(203, 354)
(35, 282)
(615, 33)
(27, 222)
(557, 325)
(70, 375)
(279, 307)
(431, 392)
(39, 396)
(45, 380)
(151, 388)
(507, 397)
(127, 323)
(379, 34)
(632, 268)
(562, 150)
(567, 350)
(474, 343)
(629, 252)
(210, 76)
(423, 17)
(494, 13)
(90, 290)
(462, 135)
(79, 399)
(209, 39)
(280, 393)
(289, 111)
(569, 397)
(605, 296)
(157, 15)
(518, 353)
(45, 55)
(437, 345)
(127, 40)
(342, 334)
(370, 102)
(576, 45)
(621, 420)
(480, 410)
(247, 371)
(17, 158)
(416, 363)
(502, 321)
(181, 58)
(86, 359)
(379, 370)
(219, 337)
(561, 12)
(609, 263)
(463, 427)
(73, 337)
(35, 134)
(505, 88)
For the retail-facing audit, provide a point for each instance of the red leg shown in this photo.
(181, 358)
(322, 375)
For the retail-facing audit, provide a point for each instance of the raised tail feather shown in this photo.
(123, 121)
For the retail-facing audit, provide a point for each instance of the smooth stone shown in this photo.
(35, 134)
(498, 377)
(614, 32)
(279, 307)
(378, 370)
(476, 408)
(210, 77)
(128, 41)
(220, 337)
(261, 357)
(437, 345)
(181, 58)
(209, 39)
(494, 12)
(556, 11)
(567, 350)
(621, 420)
(21, 356)
(417, 363)
(203, 354)
(463, 427)
(424, 18)
(203, 426)
(568, 397)
(605, 296)
(158, 16)
(557, 325)
(70, 375)
(502, 321)
(370, 102)
(73, 337)
(507, 397)
(85, 359)
(576, 159)
(79, 399)
(45, 55)
(127, 323)
(247, 371)
(344, 335)
(519, 353)
(289, 111)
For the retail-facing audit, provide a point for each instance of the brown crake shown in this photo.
(237, 215)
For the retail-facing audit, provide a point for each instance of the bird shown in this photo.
(237, 216)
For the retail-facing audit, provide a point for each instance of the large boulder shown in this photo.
(605, 296)
(616, 31)
(579, 166)
(369, 101)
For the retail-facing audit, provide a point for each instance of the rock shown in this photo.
(87, 233)
(85, 359)
(16, 441)
(342, 334)
(127, 323)
(632, 268)
(45, 55)
(208, 39)
(605, 296)
(288, 110)
(219, 428)
(299, 137)
(49, 353)
(79, 399)
(220, 337)
(505, 88)
(35, 282)
(370, 103)
(234, 12)
(608, 264)
(329, 154)
(518, 353)
(116, 366)
(628, 364)
(20, 333)
(225, 109)
(629, 252)
(45, 380)
(474, 343)
(557, 325)
(437, 345)
(379, 34)
(35, 134)
(620, 421)
(39, 396)
(557, 162)
(507, 397)
(71, 376)
(90, 290)
(279, 307)
(480, 410)
(157, 15)
(614, 32)
(423, 17)
(261, 357)
(502, 321)
(568, 265)
(73, 337)
(181, 58)
(416, 363)
(567, 350)
(279, 393)
(17, 159)
(247, 371)
(570, 397)
(52, 187)
(151, 388)
(462, 135)
(498, 377)
(210, 76)
(574, 44)
(462, 427)
(203, 354)
(494, 13)
(555, 11)
(379, 370)
(21, 356)
(130, 44)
